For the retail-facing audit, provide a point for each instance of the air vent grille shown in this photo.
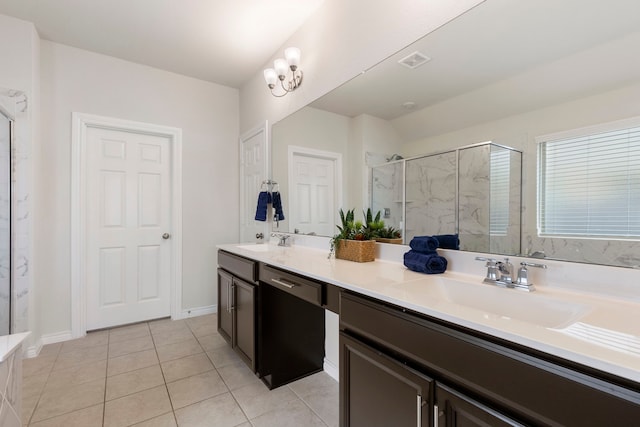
(414, 60)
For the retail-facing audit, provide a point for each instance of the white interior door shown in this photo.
(253, 170)
(128, 215)
(314, 191)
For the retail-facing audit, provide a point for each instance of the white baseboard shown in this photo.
(34, 350)
(199, 311)
(331, 369)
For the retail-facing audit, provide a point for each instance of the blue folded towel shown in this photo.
(425, 263)
(264, 198)
(277, 206)
(424, 244)
(448, 241)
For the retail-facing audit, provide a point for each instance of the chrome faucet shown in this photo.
(500, 273)
(284, 239)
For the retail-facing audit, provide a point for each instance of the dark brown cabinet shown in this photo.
(478, 381)
(379, 391)
(457, 410)
(237, 305)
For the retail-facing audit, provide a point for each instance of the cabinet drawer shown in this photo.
(239, 266)
(301, 287)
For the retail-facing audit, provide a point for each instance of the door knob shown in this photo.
(165, 236)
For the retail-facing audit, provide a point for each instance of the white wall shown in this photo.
(75, 80)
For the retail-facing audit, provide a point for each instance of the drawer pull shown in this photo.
(283, 283)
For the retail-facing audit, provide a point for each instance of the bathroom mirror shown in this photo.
(505, 72)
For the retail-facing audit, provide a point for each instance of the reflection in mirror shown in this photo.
(544, 67)
(473, 192)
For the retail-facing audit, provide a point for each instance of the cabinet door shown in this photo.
(244, 311)
(225, 296)
(456, 410)
(377, 390)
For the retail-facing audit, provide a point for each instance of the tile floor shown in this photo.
(164, 373)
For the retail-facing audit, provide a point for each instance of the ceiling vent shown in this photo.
(414, 60)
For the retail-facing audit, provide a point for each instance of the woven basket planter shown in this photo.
(397, 241)
(356, 250)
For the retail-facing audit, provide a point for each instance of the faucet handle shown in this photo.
(522, 282)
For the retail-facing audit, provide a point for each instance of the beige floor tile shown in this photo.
(325, 403)
(196, 388)
(124, 333)
(133, 382)
(223, 356)
(211, 342)
(81, 356)
(320, 392)
(91, 416)
(135, 345)
(178, 350)
(61, 401)
(171, 337)
(80, 374)
(131, 362)
(92, 339)
(28, 406)
(167, 325)
(181, 368)
(257, 399)
(219, 411)
(166, 420)
(294, 414)
(137, 407)
(33, 385)
(203, 325)
(40, 365)
(237, 375)
(50, 349)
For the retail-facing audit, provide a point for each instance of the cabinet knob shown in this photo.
(165, 236)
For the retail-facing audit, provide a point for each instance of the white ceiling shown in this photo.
(221, 41)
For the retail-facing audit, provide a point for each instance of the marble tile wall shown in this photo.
(430, 195)
(387, 186)
(20, 207)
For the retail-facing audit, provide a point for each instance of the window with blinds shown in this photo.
(500, 178)
(589, 182)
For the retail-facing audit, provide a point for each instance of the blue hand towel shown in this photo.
(425, 263)
(424, 244)
(448, 241)
(264, 199)
(277, 206)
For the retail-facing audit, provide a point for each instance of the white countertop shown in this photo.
(599, 332)
(9, 344)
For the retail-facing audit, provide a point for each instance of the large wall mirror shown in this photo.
(506, 72)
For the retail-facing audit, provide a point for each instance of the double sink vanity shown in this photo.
(431, 350)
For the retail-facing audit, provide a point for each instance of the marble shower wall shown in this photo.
(20, 207)
(387, 187)
(430, 195)
(482, 182)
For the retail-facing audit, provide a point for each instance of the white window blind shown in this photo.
(499, 192)
(589, 183)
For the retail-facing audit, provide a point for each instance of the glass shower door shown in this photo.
(5, 225)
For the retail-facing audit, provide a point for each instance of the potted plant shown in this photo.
(354, 242)
(379, 231)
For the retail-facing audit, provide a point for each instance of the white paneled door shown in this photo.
(312, 179)
(253, 170)
(128, 218)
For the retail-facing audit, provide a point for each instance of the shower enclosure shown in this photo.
(5, 224)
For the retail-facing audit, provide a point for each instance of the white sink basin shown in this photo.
(255, 247)
(508, 304)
